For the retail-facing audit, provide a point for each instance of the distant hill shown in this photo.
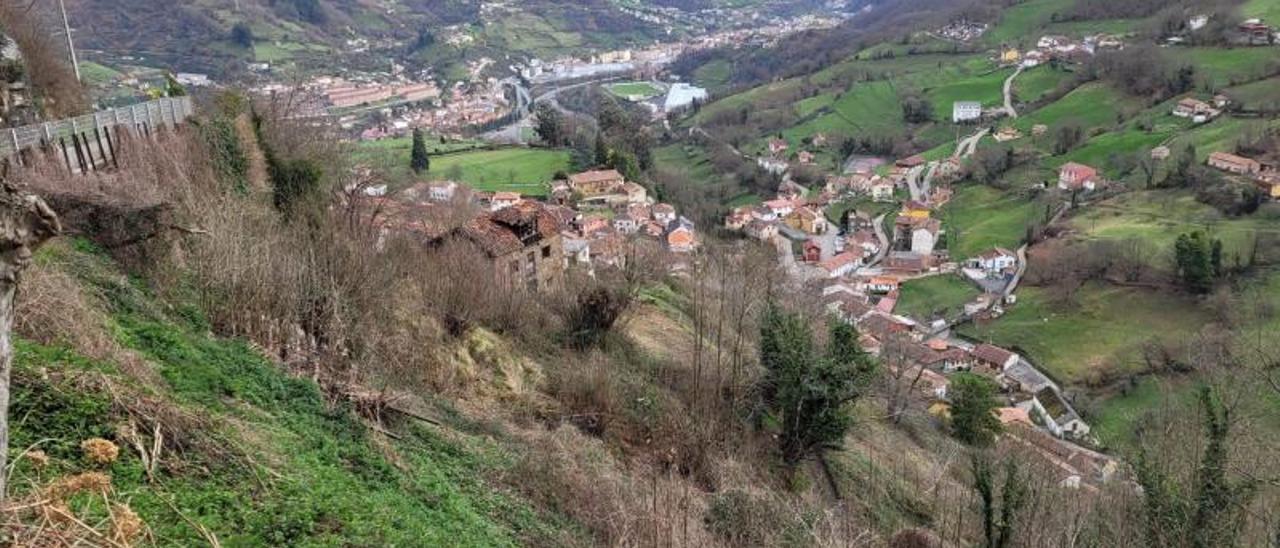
(210, 35)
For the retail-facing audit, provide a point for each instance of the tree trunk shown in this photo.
(25, 223)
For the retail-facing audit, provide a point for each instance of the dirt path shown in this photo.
(1008, 93)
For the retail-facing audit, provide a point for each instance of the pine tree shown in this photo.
(973, 402)
(808, 392)
(418, 159)
(1196, 261)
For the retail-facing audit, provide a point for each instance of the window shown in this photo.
(546, 251)
(515, 267)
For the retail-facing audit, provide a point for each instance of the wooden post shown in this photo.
(111, 147)
(75, 140)
(102, 151)
(62, 144)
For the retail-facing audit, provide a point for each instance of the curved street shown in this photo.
(1008, 93)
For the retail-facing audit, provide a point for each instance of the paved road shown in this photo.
(884, 240)
(1008, 93)
(1017, 276)
(967, 146)
(514, 133)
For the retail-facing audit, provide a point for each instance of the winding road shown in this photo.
(514, 133)
(1008, 93)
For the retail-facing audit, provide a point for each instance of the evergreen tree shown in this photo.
(549, 125)
(602, 150)
(973, 402)
(418, 159)
(808, 392)
(172, 88)
(999, 524)
(1197, 265)
(242, 35)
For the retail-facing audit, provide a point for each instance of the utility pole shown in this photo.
(71, 46)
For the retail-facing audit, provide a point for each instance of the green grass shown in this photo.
(1158, 217)
(1263, 94)
(1098, 150)
(746, 198)
(941, 296)
(1103, 332)
(289, 469)
(866, 109)
(980, 217)
(273, 52)
(523, 170)
(714, 75)
(984, 88)
(1093, 105)
(96, 74)
(1020, 23)
(636, 89)
(1267, 10)
(689, 161)
(1229, 67)
(1035, 82)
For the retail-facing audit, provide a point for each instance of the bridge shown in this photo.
(89, 142)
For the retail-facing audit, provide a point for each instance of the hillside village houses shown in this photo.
(1073, 176)
(1265, 175)
(1198, 111)
(530, 243)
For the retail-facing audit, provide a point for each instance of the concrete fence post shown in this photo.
(17, 150)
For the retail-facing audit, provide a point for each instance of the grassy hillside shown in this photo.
(523, 170)
(1101, 333)
(253, 455)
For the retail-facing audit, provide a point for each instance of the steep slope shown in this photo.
(242, 452)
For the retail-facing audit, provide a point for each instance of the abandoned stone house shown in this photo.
(521, 244)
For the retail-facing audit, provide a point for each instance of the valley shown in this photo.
(920, 273)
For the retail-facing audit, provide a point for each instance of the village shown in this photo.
(856, 261)
(590, 220)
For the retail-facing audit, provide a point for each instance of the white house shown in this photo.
(503, 200)
(841, 264)
(880, 284)
(925, 236)
(626, 224)
(442, 192)
(964, 111)
(1055, 414)
(995, 260)
(780, 208)
(882, 191)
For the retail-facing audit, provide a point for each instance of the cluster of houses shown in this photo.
(1249, 32)
(799, 215)
(468, 105)
(1035, 410)
(1254, 32)
(1266, 175)
(1201, 111)
(961, 31)
(532, 243)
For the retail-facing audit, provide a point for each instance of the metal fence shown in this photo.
(140, 117)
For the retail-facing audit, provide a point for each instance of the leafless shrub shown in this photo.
(50, 72)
